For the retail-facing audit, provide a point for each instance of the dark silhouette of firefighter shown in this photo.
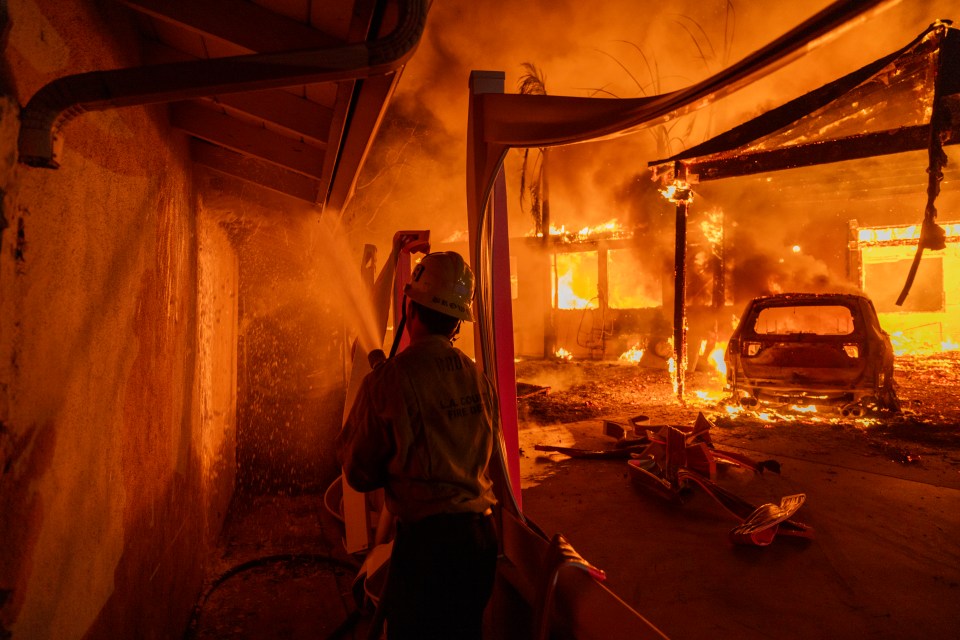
(422, 428)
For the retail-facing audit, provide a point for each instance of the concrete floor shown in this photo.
(885, 562)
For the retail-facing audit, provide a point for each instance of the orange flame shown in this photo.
(633, 354)
(672, 367)
(716, 358)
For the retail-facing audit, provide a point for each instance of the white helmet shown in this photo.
(443, 282)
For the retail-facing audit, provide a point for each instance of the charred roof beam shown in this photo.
(244, 24)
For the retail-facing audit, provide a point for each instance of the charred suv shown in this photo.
(812, 349)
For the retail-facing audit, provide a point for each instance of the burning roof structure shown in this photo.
(901, 102)
(908, 100)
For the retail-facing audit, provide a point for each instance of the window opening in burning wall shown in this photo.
(576, 280)
(883, 280)
(929, 318)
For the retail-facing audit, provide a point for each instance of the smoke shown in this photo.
(416, 173)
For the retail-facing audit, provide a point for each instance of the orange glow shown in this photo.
(563, 354)
(628, 286)
(633, 354)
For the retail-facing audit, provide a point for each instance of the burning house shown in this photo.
(862, 148)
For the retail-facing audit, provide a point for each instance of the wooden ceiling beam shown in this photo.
(255, 171)
(368, 109)
(292, 112)
(867, 145)
(244, 24)
(219, 128)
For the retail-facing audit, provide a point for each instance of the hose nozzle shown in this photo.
(376, 358)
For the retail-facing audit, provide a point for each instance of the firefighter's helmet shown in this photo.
(443, 282)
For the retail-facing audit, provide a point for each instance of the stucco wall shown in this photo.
(117, 434)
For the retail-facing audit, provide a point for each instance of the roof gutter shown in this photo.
(55, 104)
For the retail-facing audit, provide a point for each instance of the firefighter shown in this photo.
(422, 428)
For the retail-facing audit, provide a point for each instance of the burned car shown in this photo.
(812, 349)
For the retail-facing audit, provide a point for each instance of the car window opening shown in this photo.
(823, 320)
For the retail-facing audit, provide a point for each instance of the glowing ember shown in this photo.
(633, 354)
(563, 354)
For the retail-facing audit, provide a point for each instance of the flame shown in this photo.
(609, 229)
(920, 344)
(710, 396)
(807, 409)
(712, 226)
(901, 234)
(716, 358)
(576, 281)
(633, 354)
(678, 191)
(672, 367)
(563, 354)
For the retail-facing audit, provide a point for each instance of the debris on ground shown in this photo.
(670, 460)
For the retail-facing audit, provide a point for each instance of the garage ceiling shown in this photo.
(306, 141)
(283, 94)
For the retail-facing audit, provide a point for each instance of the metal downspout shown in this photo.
(61, 100)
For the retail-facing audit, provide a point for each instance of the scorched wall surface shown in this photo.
(117, 444)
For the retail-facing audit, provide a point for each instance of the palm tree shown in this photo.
(533, 82)
(536, 189)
